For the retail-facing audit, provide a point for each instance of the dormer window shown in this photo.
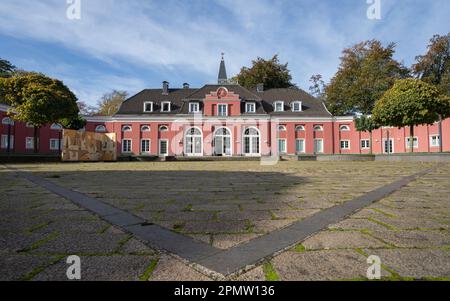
(279, 106)
(194, 107)
(250, 107)
(148, 106)
(296, 106)
(165, 106)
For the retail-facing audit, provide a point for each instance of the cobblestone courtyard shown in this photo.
(224, 205)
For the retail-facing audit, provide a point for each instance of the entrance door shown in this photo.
(318, 146)
(388, 146)
(222, 142)
(163, 148)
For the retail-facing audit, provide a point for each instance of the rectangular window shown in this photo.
(300, 145)
(126, 146)
(145, 146)
(222, 110)
(194, 107)
(163, 148)
(54, 144)
(282, 146)
(345, 144)
(279, 106)
(250, 107)
(148, 106)
(297, 106)
(415, 142)
(365, 144)
(165, 106)
(4, 142)
(29, 142)
(318, 146)
(435, 141)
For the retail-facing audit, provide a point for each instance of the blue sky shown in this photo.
(136, 44)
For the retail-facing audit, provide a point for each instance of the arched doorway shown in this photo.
(193, 142)
(251, 145)
(222, 142)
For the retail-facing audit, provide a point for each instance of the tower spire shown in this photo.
(222, 78)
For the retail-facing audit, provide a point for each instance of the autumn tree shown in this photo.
(110, 103)
(434, 68)
(271, 73)
(410, 102)
(86, 109)
(317, 88)
(366, 72)
(39, 100)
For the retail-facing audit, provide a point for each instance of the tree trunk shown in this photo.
(440, 134)
(411, 138)
(370, 141)
(35, 141)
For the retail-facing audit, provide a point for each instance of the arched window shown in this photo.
(56, 127)
(100, 129)
(222, 142)
(344, 128)
(126, 128)
(7, 121)
(251, 142)
(299, 128)
(281, 128)
(318, 128)
(163, 128)
(29, 125)
(145, 128)
(193, 142)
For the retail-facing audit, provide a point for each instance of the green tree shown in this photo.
(411, 102)
(6, 68)
(271, 73)
(39, 100)
(110, 103)
(366, 124)
(367, 70)
(434, 68)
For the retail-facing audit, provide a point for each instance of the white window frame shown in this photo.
(250, 107)
(145, 106)
(163, 128)
(226, 109)
(56, 127)
(100, 128)
(56, 145)
(282, 151)
(415, 142)
(149, 146)
(194, 107)
(166, 103)
(145, 128)
(29, 143)
(318, 128)
(7, 121)
(251, 139)
(29, 125)
(383, 145)
(123, 146)
(438, 141)
(365, 144)
(300, 128)
(188, 135)
(281, 128)
(167, 147)
(296, 146)
(322, 146)
(294, 103)
(4, 142)
(346, 145)
(344, 128)
(275, 106)
(127, 128)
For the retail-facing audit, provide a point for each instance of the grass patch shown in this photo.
(269, 272)
(249, 226)
(148, 272)
(188, 208)
(300, 248)
(383, 212)
(382, 223)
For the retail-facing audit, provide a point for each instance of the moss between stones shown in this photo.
(148, 272)
(300, 248)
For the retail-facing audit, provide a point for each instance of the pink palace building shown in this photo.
(225, 119)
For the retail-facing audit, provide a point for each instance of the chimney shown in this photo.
(165, 88)
(185, 86)
(260, 88)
